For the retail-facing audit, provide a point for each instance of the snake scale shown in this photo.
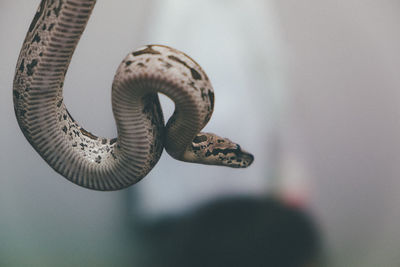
(113, 163)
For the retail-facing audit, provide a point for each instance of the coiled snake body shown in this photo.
(103, 163)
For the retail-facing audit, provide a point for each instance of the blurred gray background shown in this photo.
(314, 84)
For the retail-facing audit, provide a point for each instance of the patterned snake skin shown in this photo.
(110, 164)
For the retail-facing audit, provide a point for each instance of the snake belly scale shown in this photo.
(113, 163)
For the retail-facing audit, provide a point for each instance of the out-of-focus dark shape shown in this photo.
(232, 232)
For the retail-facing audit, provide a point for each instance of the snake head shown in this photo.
(208, 148)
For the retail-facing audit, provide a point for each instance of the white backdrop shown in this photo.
(315, 85)
(343, 121)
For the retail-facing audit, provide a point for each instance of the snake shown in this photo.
(108, 164)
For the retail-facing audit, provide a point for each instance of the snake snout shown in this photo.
(244, 158)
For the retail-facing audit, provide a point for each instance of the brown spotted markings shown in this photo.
(101, 163)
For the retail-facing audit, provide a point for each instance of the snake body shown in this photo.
(113, 163)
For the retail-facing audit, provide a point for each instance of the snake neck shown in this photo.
(159, 69)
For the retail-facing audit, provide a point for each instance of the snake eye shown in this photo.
(199, 139)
